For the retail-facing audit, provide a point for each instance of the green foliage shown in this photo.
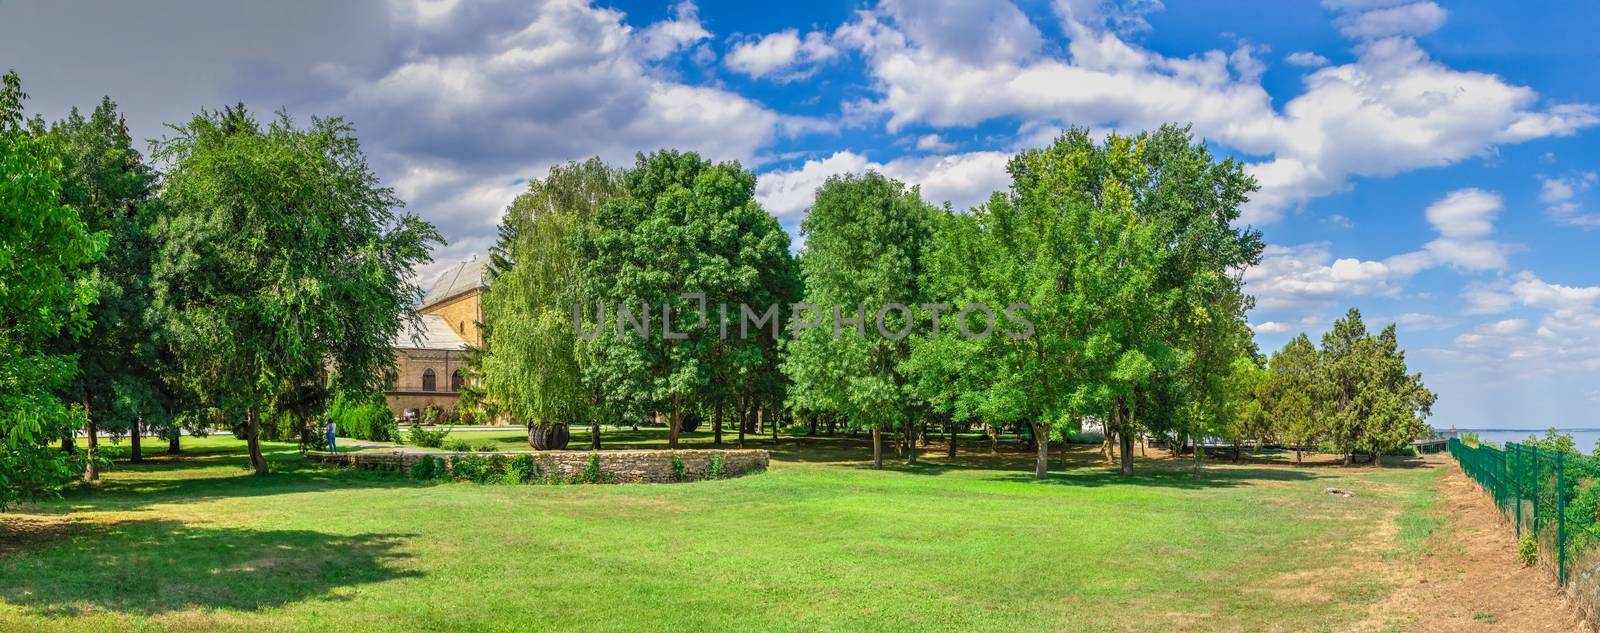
(418, 436)
(530, 365)
(679, 471)
(283, 263)
(1528, 549)
(470, 467)
(427, 468)
(718, 467)
(46, 293)
(522, 469)
(363, 418)
(487, 447)
(461, 446)
(592, 474)
(682, 225)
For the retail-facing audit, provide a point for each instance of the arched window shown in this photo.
(428, 380)
(455, 380)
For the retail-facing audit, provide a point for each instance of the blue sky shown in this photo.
(1432, 163)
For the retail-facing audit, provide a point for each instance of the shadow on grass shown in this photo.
(155, 566)
(215, 474)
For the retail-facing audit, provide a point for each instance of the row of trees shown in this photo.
(250, 272)
(1125, 251)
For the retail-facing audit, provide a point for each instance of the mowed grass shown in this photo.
(819, 542)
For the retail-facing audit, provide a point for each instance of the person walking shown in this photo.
(332, 428)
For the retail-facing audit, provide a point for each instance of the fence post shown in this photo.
(1537, 475)
(1561, 520)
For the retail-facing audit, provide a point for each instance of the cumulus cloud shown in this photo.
(1565, 337)
(963, 180)
(783, 55)
(1560, 197)
(1373, 19)
(1307, 59)
(667, 37)
(1391, 110)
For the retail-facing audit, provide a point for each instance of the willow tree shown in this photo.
(531, 366)
(46, 251)
(866, 239)
(283, 266)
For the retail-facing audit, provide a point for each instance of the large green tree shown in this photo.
(46, 254)
(530, 367)
(866, 240)
(106, 180)
(1289, 394)
(283, 264)
(685, 240)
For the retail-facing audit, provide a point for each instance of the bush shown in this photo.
(494, 470)
(718, 468)
(592, 474)
(461, 446)
(1528, 550)
(520, 470)
(363, 418)
(488, 447)
(468, 468)
(1085, 437)
(427, 468)
(679, 472)
(425, 438)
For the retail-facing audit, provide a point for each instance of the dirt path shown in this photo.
(1471, 579)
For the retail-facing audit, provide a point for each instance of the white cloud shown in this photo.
(1307, 59)
(1391, 110)
(1560, 195)
(1566, 337)
(783, 55)
(1307, 277)
(963, 180)
(667, 37)
(933, 143)
(1373, 20)
(1465, 213)
(1419, 322)
(1483, 298)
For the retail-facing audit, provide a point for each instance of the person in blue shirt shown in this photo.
(331, 429)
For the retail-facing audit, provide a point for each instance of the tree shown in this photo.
(1396, 401)
(46, 251)
(1289, 391)
(530, 365)
(1346, 352)
(866, 239)
(106, 180)
(685, 240)
(283, 265)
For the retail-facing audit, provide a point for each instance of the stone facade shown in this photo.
(651, 466)
(463, 313)
(428, 358)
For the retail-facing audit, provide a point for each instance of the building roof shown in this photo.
(455, 280)
(434, 333)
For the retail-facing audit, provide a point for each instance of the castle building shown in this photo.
(428, 358)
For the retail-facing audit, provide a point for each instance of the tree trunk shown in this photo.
(1041, 465)
(716, 424)
(252, 437)
(677, 421)
(1297, 453)
(811, 430)
(594, 434)
(775, 420)
(1125, 434)
(744, 414)
(911, 444)
(877, 449)
(173, 447)
(994, 438)
(1377, 459)
(1349, 458)
(91, 472)
(135, 451)
(950, 451)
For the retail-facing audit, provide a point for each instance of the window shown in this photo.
(428, 380)
(455, 380)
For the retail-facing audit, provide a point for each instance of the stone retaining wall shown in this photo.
(649, 466)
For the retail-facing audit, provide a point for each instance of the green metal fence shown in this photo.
(1533, 487)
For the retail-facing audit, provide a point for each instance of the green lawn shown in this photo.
(816, 543)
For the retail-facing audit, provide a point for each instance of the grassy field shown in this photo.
(816, 543)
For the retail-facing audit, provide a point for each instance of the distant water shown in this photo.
(1584, 438)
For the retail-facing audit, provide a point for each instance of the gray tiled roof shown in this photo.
(435, 333)
(455, 280)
